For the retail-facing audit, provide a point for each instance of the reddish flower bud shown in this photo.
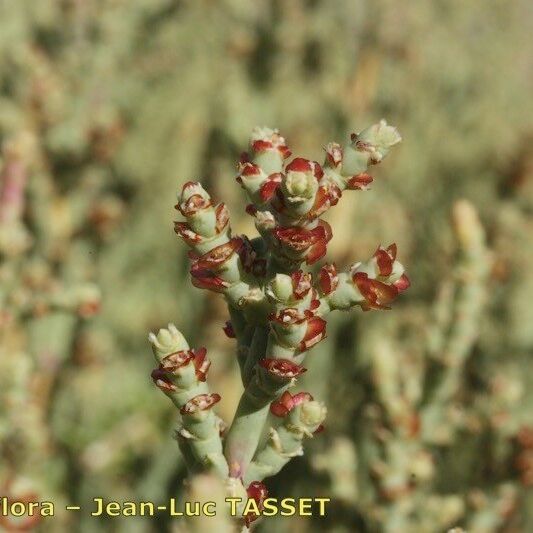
(162, 380)
(173, 362)
(201, 363)
(265, 139)
(333, 155)
(300, 240)
(194, 199)
(219, 255)
(385, 259)
(256, 491)
(290, 316)
(359, 182)
(299, 164)
(301, 283)
(183, 230)
(283, 406)
(204, 267)
(328, 195)
(329, 279)
(204, 279)
(376, 293)
(269, 186)
(228, 330)
(403, 283)
(316, 331)
(248, 170)
(201, 402)
(222, 216)
(282, 368)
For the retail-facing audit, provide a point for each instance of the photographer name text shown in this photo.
(100, 507)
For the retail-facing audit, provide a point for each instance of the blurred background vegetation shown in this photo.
(108, 106)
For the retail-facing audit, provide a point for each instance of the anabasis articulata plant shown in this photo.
(277, 310)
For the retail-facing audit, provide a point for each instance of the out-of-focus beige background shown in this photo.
(108, 106)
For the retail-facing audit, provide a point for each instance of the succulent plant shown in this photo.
(277, 310)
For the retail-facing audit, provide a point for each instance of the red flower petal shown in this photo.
(333, 154)
(186, 233)
(360, 182)
(201, 363)
(403, 283)
(300, 398)
(376, 293)
(256, 491)
(194, 204)
(162, 380)
(203, 279)
(201, 402)
(282, 368)
(222, 216)
(299, 164)
(269, 186)
(216, 257)
(329, 279)
(176, 360)
(301, 283)
(384, 262)
(289, 316)
(316, 331)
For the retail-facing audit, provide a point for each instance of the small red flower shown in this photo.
(403, 283)
(183, 229)
(247, 171)
(204, 279)
(284, 405)
(193, 201)
(269, 186)
(162, 380)
(173, 362)
(301, 283)
(256, 491)
(328, 195)
(204, 268)
(316, 331)
(329, 279)
(201, 402)
(360, 182)
(376, 293)
(334, 155)
(219, 255)
(299, 240)
(385, 258)
(299, 164)
(291, 316)
(228, 330)
(270, 140)
(201, 363)
(282, 368)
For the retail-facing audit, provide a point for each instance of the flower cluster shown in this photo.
(277, 309)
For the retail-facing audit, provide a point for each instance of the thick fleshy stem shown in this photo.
(181, 375)
(272, 378)
(302, 417)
